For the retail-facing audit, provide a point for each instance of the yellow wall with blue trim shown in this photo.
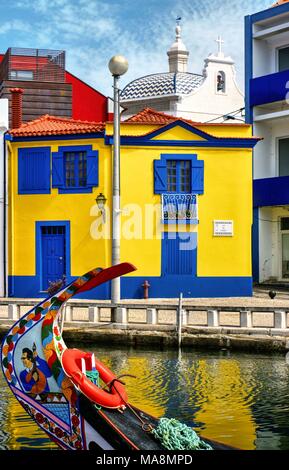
(227, 196)
(86, 252)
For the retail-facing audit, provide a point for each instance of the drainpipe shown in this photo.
(6, 202)
(16, 121)
(3, 218)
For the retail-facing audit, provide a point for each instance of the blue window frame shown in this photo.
(75, 169)
(182, 173)
(178, 179)
(34, 170)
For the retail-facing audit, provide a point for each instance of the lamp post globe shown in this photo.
(118, 65)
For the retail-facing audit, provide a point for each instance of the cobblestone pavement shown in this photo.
(260, 298)
(137, 312)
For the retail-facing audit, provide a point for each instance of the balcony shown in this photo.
(271, 191)
(179, 209)
(40, 65)
(269, 88)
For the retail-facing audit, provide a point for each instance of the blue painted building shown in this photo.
(267, 108)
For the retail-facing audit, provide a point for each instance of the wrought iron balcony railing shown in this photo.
(180, 208)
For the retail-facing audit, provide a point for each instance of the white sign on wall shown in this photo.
(223, 228)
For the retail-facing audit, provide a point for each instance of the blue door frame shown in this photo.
(52, 252)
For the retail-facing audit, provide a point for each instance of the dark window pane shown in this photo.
(283, 59)
(285, 223)
(171, 175)
(82, 169)
(284, 157)
(75, 169)
(185, 173)
(179, 176)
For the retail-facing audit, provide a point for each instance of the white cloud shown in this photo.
(92, 31)
(14, 25)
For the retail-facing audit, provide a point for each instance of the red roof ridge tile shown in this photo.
(50, 117)
(150, 112)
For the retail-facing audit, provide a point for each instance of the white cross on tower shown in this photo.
(220, 43)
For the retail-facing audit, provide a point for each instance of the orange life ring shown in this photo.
(71, 363)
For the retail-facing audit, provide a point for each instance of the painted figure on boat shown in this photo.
(34, 376)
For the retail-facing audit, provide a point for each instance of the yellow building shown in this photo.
(186, 205)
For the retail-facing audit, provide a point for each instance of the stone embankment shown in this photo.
(251, 324)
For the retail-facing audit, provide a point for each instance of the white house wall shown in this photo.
(270, 242)
(206, 103)
(266, 163)
(265, 51)
(264, 156)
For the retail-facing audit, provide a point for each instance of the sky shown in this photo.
(92, 31)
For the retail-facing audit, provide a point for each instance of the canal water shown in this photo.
(237, 399)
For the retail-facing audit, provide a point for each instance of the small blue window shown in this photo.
(75, 169)
(182, 174)
(34, 170)
(179, 176)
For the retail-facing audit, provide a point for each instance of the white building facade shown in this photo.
(211, 96)
(3, 196)
(267, 107)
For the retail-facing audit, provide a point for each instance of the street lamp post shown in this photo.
(118, 66)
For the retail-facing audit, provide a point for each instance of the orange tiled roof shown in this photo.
(150, 116)
(53, 125)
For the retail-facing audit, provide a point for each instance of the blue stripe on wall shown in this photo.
(161, 287)
(271, 191)
(269, 88)
(270, 13)
(255, 245)
(28, 287)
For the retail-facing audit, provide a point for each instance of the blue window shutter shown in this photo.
(34, 170)
(57, 170)
(92, 169)
(198, 177)
(160, 176)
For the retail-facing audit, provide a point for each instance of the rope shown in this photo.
(172, 434)
(93, 376)
(178, 436)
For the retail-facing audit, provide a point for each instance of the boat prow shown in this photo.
(69, 393)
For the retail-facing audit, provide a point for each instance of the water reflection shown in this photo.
(240, 400)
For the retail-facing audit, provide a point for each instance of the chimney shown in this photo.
(16, 107)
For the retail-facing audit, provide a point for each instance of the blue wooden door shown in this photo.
(179, 257)
(53, 254)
